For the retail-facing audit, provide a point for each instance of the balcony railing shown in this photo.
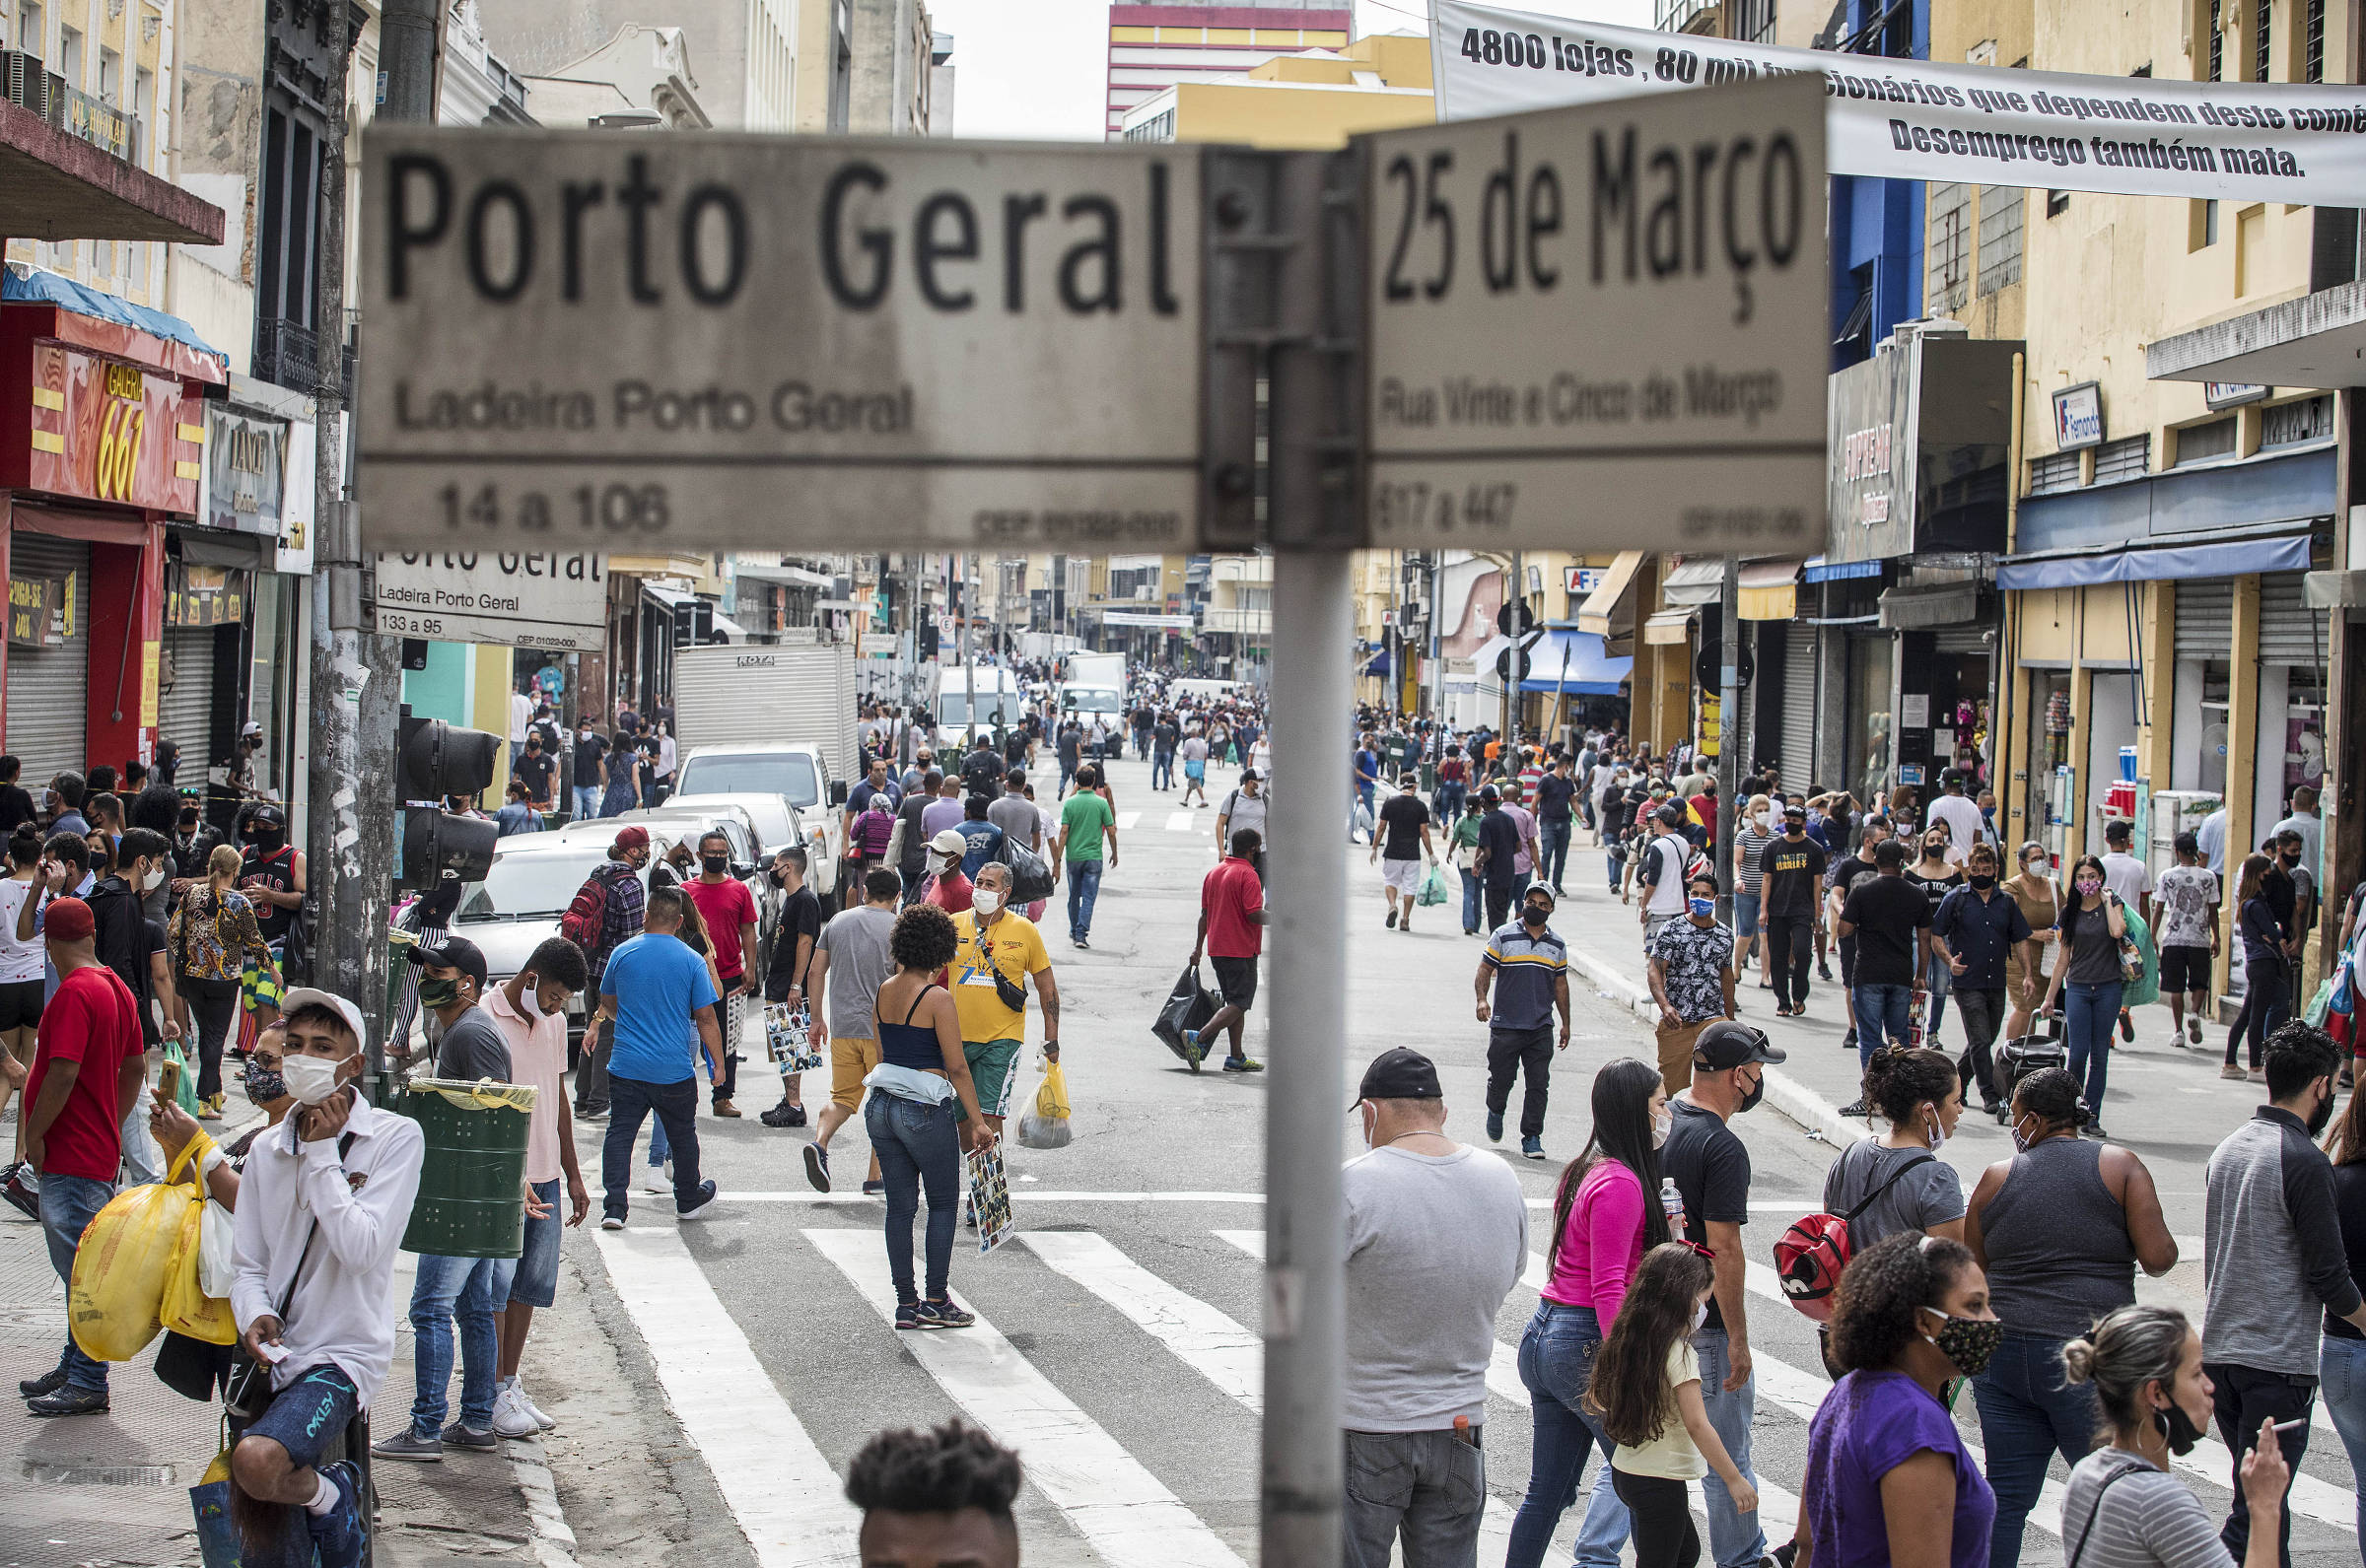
(1683, 16)
(288, 354)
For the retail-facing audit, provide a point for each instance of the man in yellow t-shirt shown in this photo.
(992, 939)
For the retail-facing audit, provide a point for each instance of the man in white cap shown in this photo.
(335, 1179)
(942, 883)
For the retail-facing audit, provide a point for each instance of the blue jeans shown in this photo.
(919, 1146)
(1162, 770)
(1084, 886)
(1553, 842)
(2093, 1012)
(1557, 1361)
(1446, 802)
(676, 1106)
(68, 1205)
(2342, 1365)
(587, 803)
(1474, 905)
(2028, 1416)
(469, 1291)
(1881, 1014)
(1734, 1538)
(1939, 980)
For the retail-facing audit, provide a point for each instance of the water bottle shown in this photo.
(1671, 1204)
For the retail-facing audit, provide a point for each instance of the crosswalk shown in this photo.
(1199, 823)
(1121, 1507)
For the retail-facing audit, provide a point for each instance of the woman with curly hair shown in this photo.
(1647, 1397)
(910, 1118)
(1888, 1480)
(1907, 1185)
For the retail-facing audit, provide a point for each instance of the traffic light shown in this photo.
(435, 840)
(439, 761)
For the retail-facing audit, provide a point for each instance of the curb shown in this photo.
(1816, 1115)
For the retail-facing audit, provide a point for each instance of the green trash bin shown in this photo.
(471, 1199)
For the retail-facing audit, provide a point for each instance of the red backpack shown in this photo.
(587, 918)
(1810, 1255)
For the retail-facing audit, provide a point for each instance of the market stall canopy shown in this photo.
(1701, 581)
(1609, 611)
(2229, 558)
(1770, 590)
(1574, 662)
(1669, 627)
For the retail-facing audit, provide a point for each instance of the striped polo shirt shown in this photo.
(1527, 971)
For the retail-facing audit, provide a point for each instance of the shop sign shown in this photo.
(1576, 580)
(106, 431)
(2233, 395)
(504, 598)
(2078, 417)
(245, 471)
(292, 554)
(41, 611)
(1920, 444)
(204, 595)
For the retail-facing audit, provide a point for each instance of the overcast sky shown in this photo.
(1038, 68)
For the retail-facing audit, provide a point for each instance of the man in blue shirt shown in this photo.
(984, 837)
(1555, 793)
(655, 997)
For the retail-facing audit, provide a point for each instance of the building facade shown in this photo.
(1152, 46)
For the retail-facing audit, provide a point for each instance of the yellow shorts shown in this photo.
(850, 1062)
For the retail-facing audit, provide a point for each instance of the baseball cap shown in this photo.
(302, 996)
(1490, 793)
(453, 952)
(1401, 1073)
(250, 727)
(1543, 888)
(1796, 808)
(1726, 1044)
(1251, 776)
(948, 841)
(68, 920)
(635, 837)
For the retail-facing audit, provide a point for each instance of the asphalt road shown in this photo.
(751, 1354)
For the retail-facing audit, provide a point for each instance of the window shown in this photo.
(2056, 472)
(2290, 424)
(2210, 223)
(2057, 202)
(2262, 34)
(1948, 286)
(2128, 458)
(1999, 236)
(2198, 443)
(69, 56)
(110, 77)
(2216, 44)
(1754, 20)
(2311, 43)
(31, 33)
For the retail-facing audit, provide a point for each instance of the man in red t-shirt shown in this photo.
(729, 912)
(88, 1069)
(1232, 922)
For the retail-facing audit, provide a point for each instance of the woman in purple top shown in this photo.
(1605, 1214)
(1885, 1463)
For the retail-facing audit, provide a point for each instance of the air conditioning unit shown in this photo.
(28, 80)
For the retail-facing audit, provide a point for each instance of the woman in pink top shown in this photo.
(1605, 1213)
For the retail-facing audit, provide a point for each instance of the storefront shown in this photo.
(114, 410)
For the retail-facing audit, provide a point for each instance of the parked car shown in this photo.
(798, 772)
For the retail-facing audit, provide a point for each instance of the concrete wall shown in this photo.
(536, 36)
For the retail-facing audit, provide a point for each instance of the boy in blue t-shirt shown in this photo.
(659, 997)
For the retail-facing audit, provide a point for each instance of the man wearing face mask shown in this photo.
(1976, 926)
(1711, 1168)
(1693, 979)
(1527, 966)
(322, 1204)
(468, 1291)
(729, 912)
(997, 947)
(793, 941)
(2273, 1261)
(590, 747)
(605, 914)
(129, 943)
(273, 873)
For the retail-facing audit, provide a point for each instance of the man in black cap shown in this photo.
(1437, 1236)
(1711, 1168)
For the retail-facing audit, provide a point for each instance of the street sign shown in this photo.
(518, 598)
(1601, 326)
(1511, 665)
(1515, 619)
(581, 340)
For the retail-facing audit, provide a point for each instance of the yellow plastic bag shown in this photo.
(1051, 1100)
(186, 1308)
(1044, 1125)
(120, 1269)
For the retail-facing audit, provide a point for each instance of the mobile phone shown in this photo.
(169, 1080)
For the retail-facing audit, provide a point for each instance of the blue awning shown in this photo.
(1379, 663)
(1574, 662)
(2231, 558)
(1819, 570)
(32, 285)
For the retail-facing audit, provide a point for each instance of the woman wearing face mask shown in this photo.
(1749, 840)
(1936, 878)
(2033, 890)
(2088, 967)
(1919, 1094)
(1606, 1211)
(1885, 1463)
(2060, 1229)
(2266, 971)
(210, 941)
(2125, 1505)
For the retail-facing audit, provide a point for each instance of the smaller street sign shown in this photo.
(518, 599)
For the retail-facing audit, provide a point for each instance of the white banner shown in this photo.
(1915, 119)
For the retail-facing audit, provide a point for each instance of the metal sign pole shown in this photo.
(1730, 732)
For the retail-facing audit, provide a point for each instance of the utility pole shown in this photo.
(1515, 602)
(1729, 729)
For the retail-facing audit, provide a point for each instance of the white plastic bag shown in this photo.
(214, 1268)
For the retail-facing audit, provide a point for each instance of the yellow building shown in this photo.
(1317, 99)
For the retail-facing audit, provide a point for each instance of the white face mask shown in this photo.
(1938, 1133)
(985, 901)
(1700, 1316)
(529, 1000)
(153, 880)
(310, 1079)
(1661, 1126)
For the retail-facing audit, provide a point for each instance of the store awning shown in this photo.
(55, 186)
(1819, 570)
(1609, 611)
(1576, 663)
(1378, 664)
(1701, 582)
(1489, 651)
(729, 630)
(108, 324)
(2229, 558)
(1669, 627)
(1770, 590)
(774, 572)
(1906, 609)
(669, 599)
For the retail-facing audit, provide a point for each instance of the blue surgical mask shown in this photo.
(1703, 909)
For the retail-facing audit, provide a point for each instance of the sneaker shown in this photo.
(419, 1448)
(2094, 1130)
(2231, 1072)
(525, 1402)
(476, 1441)
(22, 1186)
(2127, 1028)
(907, 1316)
(1848, 1041)
(875, 1188)
(1242, 1065)
(1823, 972)
(599, 1113)
(784, 1115)
(2177, 1040)
(658, 1177)
(69, 1400)
(817, 1167)
(611, 1222)
(705, 1204)
(1081, 941)
(2193, 1029)
(48, 1382)
(1495, 1126)
(724, 1108)
(1532, 1149)
(945, 1313)
(1193, 1053)
(340, 1537)
(511, 1417)
(1855, 1108)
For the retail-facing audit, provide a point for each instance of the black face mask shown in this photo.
(2178, 1428)
(1758, 1092)
(2322, 1115)
(1534, 916)
(267, 840)
(718, 863)
(1981, 883)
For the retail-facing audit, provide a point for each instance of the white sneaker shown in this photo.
(654, 1180)
(525, 1402)
(2177, 1040)
(511, 1418)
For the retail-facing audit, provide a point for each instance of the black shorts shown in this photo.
(1236, 977)
(1847, 960)
(21, 1004)
(2183, 969)
(309, 1414)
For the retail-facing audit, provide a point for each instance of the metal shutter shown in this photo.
(186, 712)
(49, 688)
(1798, 705)
(2205, 618)
(2290, 633)
(1964, 637)
(2126, 458)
